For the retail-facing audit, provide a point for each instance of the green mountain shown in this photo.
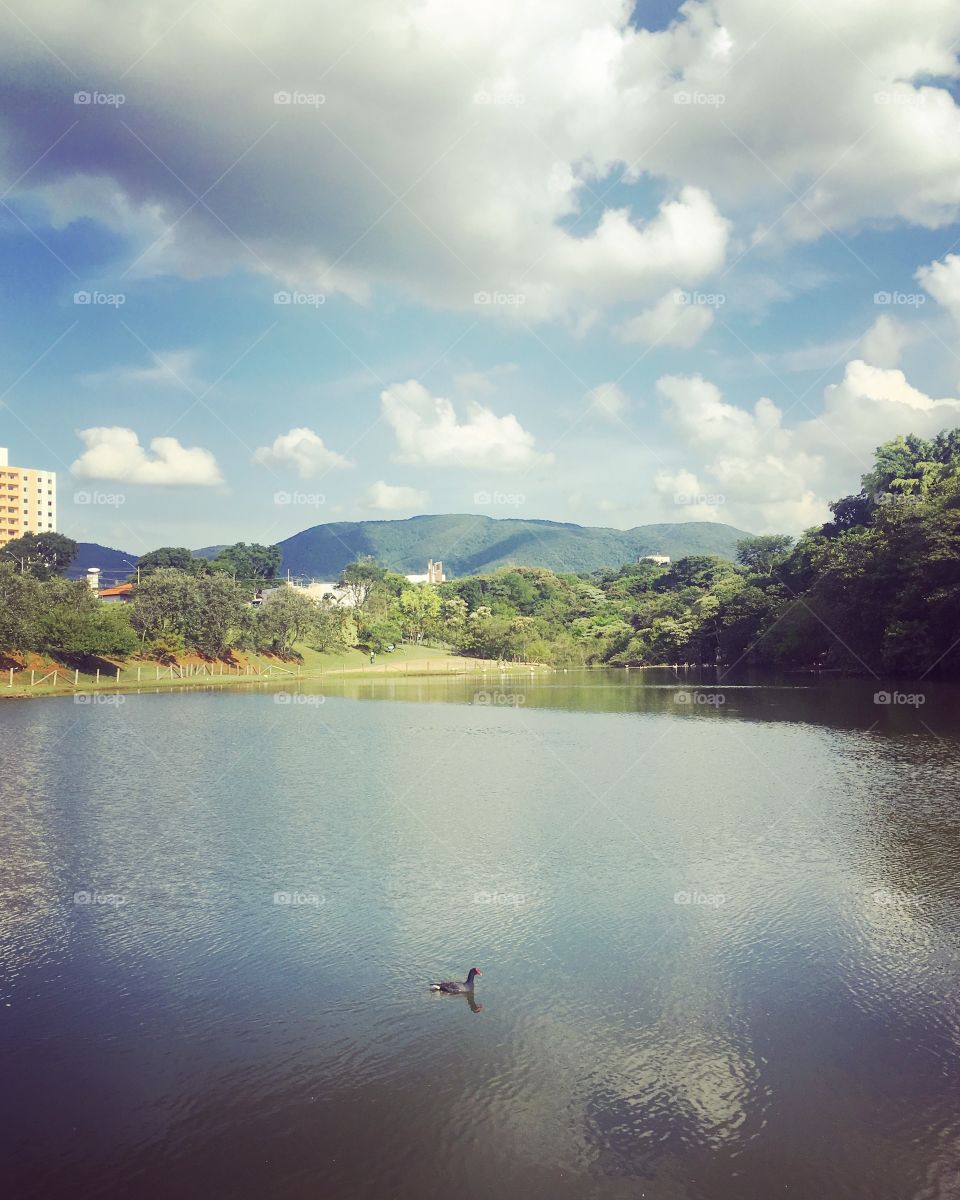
(468, 544)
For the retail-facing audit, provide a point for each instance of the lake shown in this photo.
(718, 929)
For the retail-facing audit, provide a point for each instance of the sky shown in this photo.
(266, 265)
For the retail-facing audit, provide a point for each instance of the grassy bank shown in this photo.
(32, 676)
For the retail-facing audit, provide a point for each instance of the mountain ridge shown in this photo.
(465, 543)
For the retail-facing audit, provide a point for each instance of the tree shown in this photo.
(419, 611)
(42, 555)
(178, 557)
(164, 605)
(249, 564)
(219, 610)
(762, 554)
(103, 630)
(361, 581)
(286, 617)
(19, 608)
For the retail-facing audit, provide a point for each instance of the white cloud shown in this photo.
(114, 453)
(673, 321)
(885, 341)
(775, 477)
(942, 281)
(837, 101)
(389, 497)
(303, 451)
(428, 431)
(608, 400)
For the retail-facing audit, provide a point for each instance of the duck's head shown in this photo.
(474, 972)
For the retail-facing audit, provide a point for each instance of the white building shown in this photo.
(661, 560)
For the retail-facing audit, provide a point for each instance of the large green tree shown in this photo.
(41, 555)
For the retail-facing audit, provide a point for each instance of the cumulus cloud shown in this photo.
(303, 451)
(428, 431)
(388, 497)
(114, 453)
(885, 341)
(451, 154)
(942, 281)
(673, 321)
(774, 476)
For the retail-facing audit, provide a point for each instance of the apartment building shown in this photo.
(28, 500)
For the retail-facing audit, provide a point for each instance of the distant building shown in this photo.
(662, 560)
(28, 500)
(434, 574)
(121, 594)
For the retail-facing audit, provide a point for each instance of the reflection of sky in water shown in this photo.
(625, 1041)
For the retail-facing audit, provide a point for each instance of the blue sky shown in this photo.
(601, 263)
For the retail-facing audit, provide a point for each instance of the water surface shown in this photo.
(718, 927)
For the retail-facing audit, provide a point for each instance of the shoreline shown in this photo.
(146, 678)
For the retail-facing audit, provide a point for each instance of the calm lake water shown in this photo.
(718, 930)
